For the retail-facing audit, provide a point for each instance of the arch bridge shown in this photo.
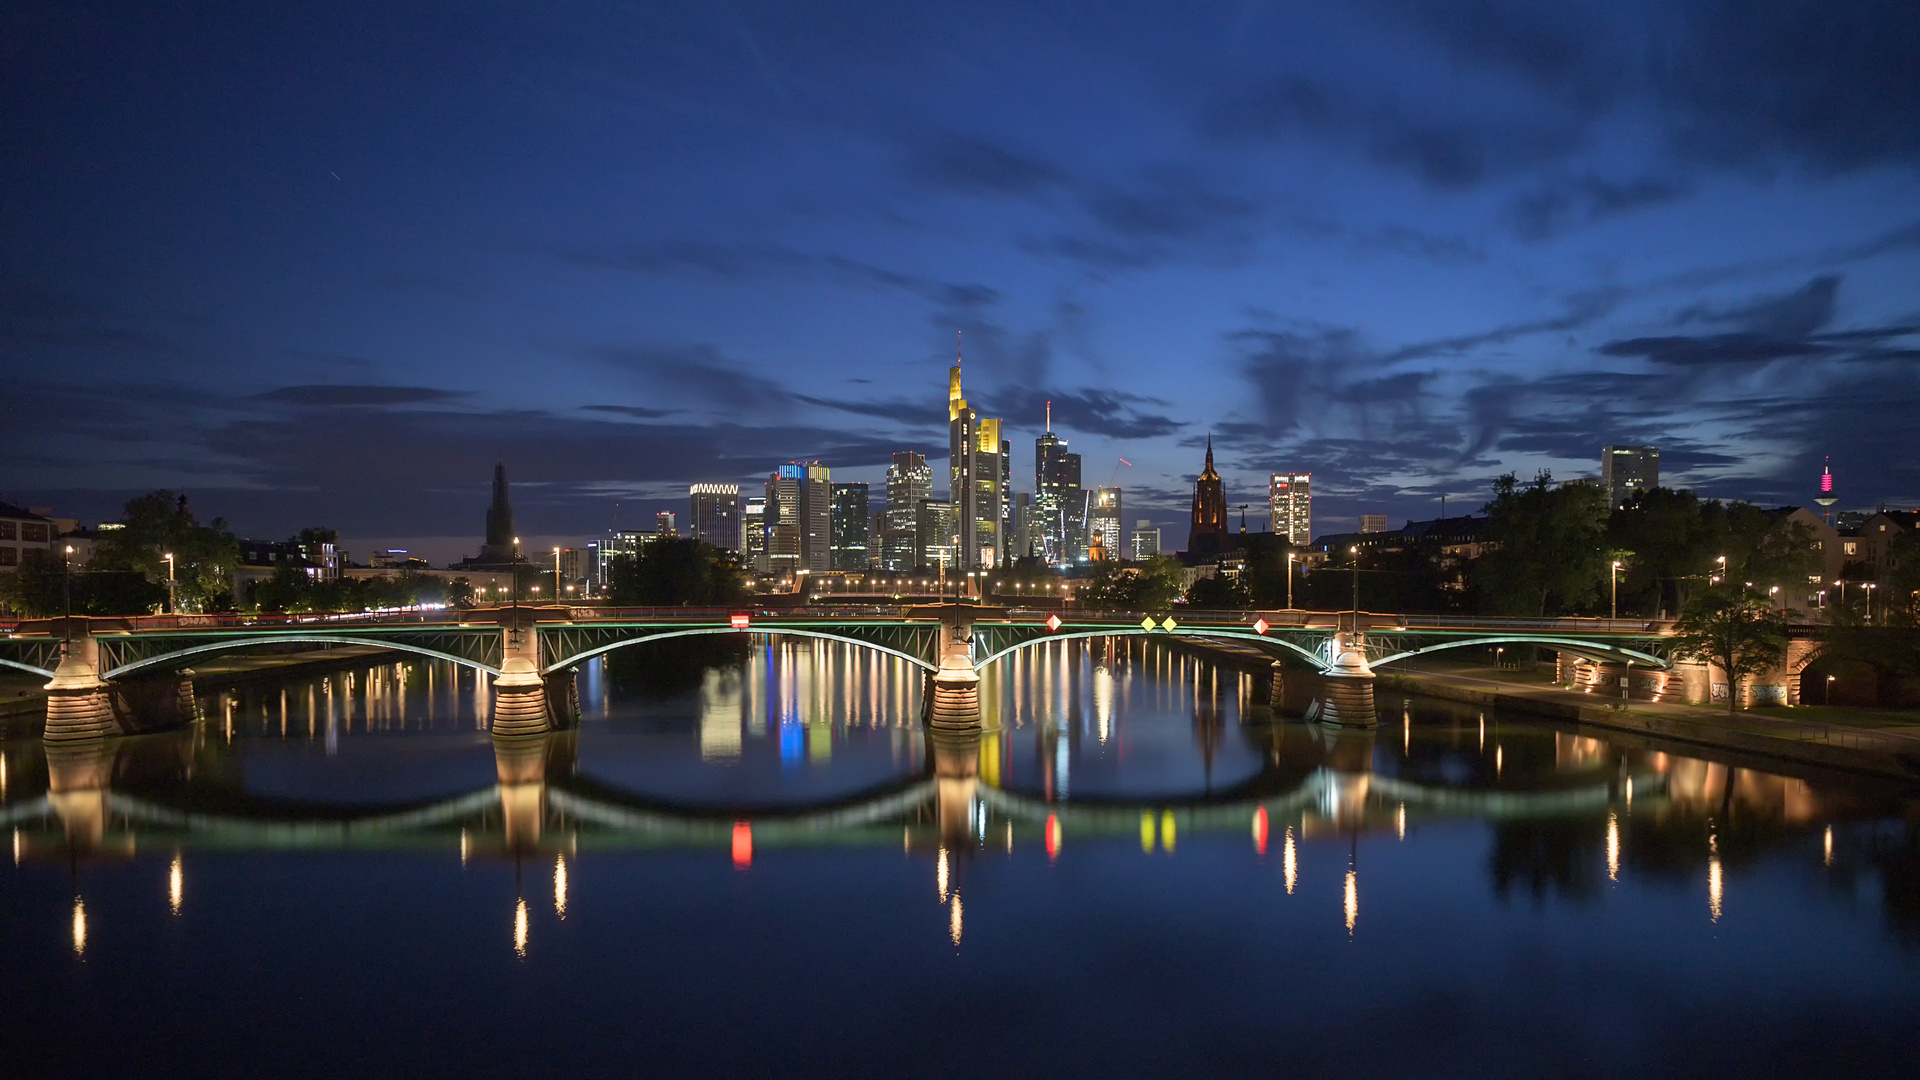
(529, 654)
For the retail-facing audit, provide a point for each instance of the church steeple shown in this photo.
(1208, 473)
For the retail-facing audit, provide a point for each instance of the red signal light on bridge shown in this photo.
(738, 620)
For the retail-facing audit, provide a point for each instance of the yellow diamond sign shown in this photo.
(1146, 624)
(1168, 623)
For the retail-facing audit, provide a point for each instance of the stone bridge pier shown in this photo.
(524, 701)
(1342, 695)
(953, 697)
(82, 705)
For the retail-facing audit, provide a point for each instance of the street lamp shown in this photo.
(1827, 698)
(1614, 611)
(1773, 593)
(1869, 614)
(1289, 581)
(556, 572)
(1715, 580)
(1355, 552)
(171, 605)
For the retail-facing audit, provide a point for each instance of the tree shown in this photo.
(675, 571)
(1734, 629)
(1219, 592)
(160, 523)
(1547, 544)
(1150, 585)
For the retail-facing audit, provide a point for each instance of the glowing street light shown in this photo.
(171, 607)
(1614, 612)
(1289, 581)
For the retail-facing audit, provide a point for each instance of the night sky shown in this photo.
(324, 264)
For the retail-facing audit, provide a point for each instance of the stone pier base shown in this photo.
(953, 703)
(519, 700)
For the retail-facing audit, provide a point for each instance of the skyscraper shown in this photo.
(1208, 533)
(1103, 520)
(1058, 507)
(1625, 470)
(933, 534)
(849, 527)
(973, 445)
(816, 516)
(783, 521)
(1290, 501)
(909, 480)
(753, 533)
(714, 517)
(663, 524)
(1146, 539)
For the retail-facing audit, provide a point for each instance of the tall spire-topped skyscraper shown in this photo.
(974, 472)
(1208, 534)
(499, 546)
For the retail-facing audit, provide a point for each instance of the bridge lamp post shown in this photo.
(1289, 581)
(1869, 588)
(556, 573)
(171, 604)
(1613, 611)
(66, 599)
(1355, 552)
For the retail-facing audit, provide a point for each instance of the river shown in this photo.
(765, 866)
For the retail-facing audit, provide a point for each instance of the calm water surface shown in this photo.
(768, 868)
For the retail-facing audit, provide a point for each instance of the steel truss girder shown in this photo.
(565, 646)
(477, 647)
(38, 656)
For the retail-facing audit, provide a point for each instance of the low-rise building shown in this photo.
(24, 534)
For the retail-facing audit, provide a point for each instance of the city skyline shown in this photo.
(1403, 250)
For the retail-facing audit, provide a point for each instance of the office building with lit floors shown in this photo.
(849, 525)
(1059, 507)
(1290, 504)
(1103, 521)
(753, 533)
(974, 468)
(1146, 539)
(909, 482)
(714, 516)
(1625, 471)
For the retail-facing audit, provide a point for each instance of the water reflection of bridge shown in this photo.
(540, 801)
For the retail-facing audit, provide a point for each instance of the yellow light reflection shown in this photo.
(1713, 888)
(1400, 821)
(466, 847)
(17, 842)
(1613, 847)
(1353, 899)
(1499, 759)
(560, 885)
(176, 881)
(1167, 829)
(1146, 831)
(1009, 837)
(953, 923)
(1289, 863)
(1827, 845)
(1629, 792)
(79, 927)
(940, 875)
(520, 929)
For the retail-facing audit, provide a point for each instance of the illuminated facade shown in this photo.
(1290, 502)
(909, 480)
(714, 516)
(1146, 540)
(974, 468)
(1103, 521)
(1059, 504)
(753, 533)
(1627, 470)
(1207, 533)
(933, 534)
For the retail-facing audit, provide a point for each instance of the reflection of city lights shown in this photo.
(1613, 847)
(520, 929)
(1260, 830)
(1166, 830)
(466, 847)
(1146, 831)
(1499, 759)
(1713, 888)
(940, 875)
(1400, 821)
(1009, 837)
(1289, 863)
(1827, 847)
(16, 847)
(176, 880)
(953, 922)
(1629, 791)
(1053, 836)
(742, 845)
(560, 885)
(1353, 899)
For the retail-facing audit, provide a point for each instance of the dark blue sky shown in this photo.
(324, 264)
